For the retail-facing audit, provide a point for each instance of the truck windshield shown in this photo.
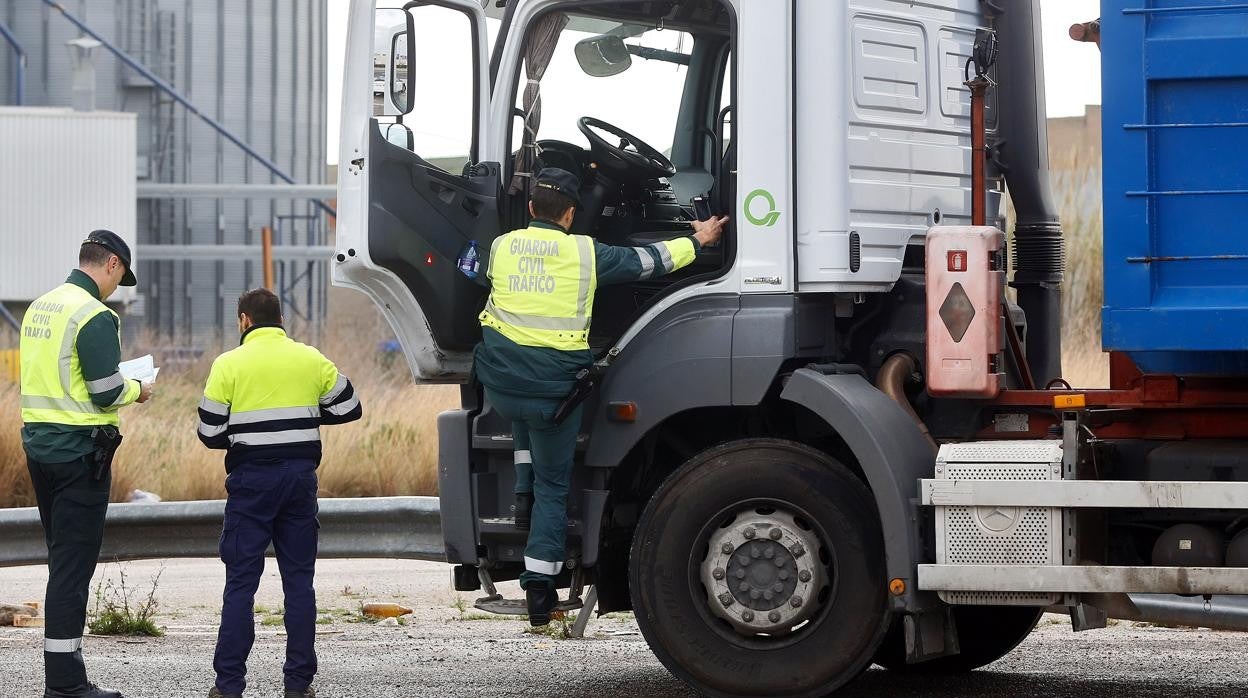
(643, 99)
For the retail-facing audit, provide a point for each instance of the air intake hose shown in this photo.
(1022, 146)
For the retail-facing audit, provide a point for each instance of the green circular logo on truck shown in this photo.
(770, 216)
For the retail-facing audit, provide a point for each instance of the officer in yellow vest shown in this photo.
(265, 403)
(71, 391)
(535, 338)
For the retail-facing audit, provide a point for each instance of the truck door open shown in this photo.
(412, 192)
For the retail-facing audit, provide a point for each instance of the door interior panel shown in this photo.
(420, 219)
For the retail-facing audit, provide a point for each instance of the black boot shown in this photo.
(86, 690)
(524, 510)
(308, 692)
(541, 599)
(215, 692)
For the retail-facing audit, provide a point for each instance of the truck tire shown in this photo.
(766, 635)
(985, 634)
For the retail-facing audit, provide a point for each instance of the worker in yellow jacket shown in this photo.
(264, 403)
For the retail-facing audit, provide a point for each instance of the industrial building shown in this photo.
(256, 67)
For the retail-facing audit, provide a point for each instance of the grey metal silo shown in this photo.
(255, 66)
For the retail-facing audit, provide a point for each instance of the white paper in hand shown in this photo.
(142, 369)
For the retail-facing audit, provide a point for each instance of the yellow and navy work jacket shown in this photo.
(70, 348)
(535, 326)
(268, 398)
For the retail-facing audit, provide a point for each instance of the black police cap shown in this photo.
(561, 181)
(113, 243)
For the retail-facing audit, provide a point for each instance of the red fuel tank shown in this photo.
(965, 284)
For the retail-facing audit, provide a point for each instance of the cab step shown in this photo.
(505, 527)
(517, 607)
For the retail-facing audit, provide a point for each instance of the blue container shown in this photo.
(1175, 158)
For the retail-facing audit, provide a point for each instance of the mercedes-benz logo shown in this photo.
(996, 519)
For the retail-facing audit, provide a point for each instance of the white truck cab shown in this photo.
(826, 185)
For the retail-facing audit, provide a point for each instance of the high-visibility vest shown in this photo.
(53, 389)
(542, 288)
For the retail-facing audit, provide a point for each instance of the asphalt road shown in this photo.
(445, 651)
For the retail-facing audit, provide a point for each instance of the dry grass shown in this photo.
(391, 451)
(1077, 186)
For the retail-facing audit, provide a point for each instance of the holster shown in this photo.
(106, 439)
(586, 382)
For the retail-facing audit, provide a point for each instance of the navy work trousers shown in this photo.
(269, 500)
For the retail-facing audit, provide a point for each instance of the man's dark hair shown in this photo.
(93, 255)
(549, 205)
(261, 305)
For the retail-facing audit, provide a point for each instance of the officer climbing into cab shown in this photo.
(535, 341)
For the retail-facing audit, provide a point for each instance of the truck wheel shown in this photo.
(985, 634)
(758, 569)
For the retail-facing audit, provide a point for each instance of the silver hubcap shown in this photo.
(763, 574)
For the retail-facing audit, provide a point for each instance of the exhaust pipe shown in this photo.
(1219, 613)
(891, 380)
(1023, 147)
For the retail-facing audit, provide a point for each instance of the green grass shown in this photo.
(559, 627)
(121, 609)
(271, 621)
(484, 616)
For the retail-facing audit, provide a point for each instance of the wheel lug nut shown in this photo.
(769, 553)
(754, 553)
(739, 574)
(777, 588)
(755, 594)
(804, 575)
(767, 595)
(798, 550)
(783, 576)
(779, 562)
(749, 533)
(796, 602)
(775, 534)
(727, 548)
(774, 616)
(748, 616)
(725, 599)
(718, 573)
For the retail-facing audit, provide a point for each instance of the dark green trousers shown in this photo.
(71, 506)
(552, 448)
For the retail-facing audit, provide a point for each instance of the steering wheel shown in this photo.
(643, 162)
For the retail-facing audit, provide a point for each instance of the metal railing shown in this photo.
(378, 527)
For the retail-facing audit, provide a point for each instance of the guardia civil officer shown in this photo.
(535, 338)
(264, 403)
(71, 392)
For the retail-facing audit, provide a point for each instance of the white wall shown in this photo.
(62, 174)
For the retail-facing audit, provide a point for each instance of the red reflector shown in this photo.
(429, 259)
(957, 260)
(622, 411)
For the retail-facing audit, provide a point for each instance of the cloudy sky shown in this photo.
(1072, 75)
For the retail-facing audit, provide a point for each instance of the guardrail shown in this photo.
(381, 527)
